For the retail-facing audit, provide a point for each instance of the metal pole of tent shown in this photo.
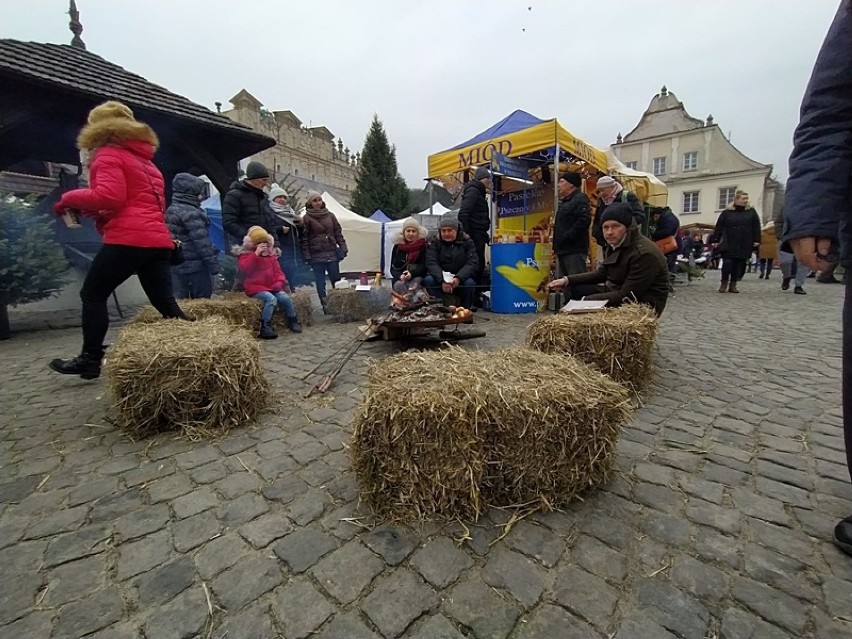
(556, 200)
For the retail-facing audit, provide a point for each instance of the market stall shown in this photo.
(524, 153)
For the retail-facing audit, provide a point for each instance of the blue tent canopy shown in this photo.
(515, 121)
(213, 207)
(379, 216)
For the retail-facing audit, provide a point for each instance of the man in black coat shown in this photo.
(475, 216)
(451, 253)
(818, 204)
(571, 229)
(246, 205)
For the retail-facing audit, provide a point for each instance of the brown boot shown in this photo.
(732, 287)
(723, 288)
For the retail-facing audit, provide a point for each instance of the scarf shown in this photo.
(284, 211)
(413, 249)
(609, 199)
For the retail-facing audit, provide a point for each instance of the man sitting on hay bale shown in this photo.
(633, 270)
(454, 254)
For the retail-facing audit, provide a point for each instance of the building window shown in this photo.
(660, 166)
(690, 161)
(632, 165)
(690, 202)
(726, 196)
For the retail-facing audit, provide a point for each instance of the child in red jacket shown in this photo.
(264, 280)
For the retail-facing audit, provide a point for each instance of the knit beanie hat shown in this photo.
(573, 178)
(108, 110)
(276, 191)
(449, 221)
(258, 235)
(619, 212)
(606, 181)
(481, 173)
(311, 196)
(256, 170)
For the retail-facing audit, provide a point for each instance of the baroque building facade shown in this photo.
(305, 158)
(700, 166)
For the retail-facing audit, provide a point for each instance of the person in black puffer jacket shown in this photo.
(189, 224)
(666, 225)
(453, 254)
(571, 230)
(475, 217)
(246, 205)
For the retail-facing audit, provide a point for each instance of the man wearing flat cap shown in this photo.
(571, 229)
(455, 255)
(475, 216)
(633, 269)
(246, 205)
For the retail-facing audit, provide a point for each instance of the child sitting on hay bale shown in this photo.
(264, 280)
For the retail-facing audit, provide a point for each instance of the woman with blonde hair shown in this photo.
(408, 258)
(125, 197)
(737, 234)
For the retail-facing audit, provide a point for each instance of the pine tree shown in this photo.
(32, 263)
(378, 184)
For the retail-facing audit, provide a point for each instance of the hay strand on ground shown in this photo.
(199, 378)
(448, 434)
(617, 341)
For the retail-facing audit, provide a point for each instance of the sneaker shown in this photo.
(843, 535)
(799, 291)
(84, 365)
(785, 284)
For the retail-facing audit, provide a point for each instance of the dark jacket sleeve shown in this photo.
(433, 267)
(468, 203)
(338, 233)
(304, 240)
(195, 223)
(638, 209)
(597, 227)
(666, 227)
(817, 197)
(397, 265)
(471, 261)
(756, 231)
(580, 218)
(230, 212)
(597, 276)
(721, 221)
(640, 277)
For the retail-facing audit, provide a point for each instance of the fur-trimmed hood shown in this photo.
(115, 131)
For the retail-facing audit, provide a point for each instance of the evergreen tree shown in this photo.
(32, 263)
(378, 184)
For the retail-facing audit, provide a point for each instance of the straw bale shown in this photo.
(449, 433)
(349, 305)
(199, 378)
(304, 302)
(617, 341)
(235, 309)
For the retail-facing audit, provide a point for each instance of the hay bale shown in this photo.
(200, 378)
(516, 427)
(617, 341)
(235, 309)
(349, 305)
(303, 300)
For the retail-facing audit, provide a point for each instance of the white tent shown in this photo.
(392, 229)
(363, 237)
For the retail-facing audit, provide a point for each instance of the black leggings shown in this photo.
(733, 268)
(112, 265)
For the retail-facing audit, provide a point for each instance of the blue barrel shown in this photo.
(517, 270)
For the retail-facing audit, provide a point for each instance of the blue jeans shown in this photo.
(465, 290)
(320, 269)
(271, 300)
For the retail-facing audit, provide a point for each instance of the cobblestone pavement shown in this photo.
(717, 524)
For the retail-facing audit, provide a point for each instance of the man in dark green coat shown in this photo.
(633, 269)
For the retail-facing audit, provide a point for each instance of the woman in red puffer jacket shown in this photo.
(126, 200)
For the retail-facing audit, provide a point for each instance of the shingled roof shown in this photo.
(84, 72)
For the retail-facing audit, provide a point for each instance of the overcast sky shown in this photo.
(439, 72)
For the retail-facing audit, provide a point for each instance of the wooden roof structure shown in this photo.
(48, 90)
